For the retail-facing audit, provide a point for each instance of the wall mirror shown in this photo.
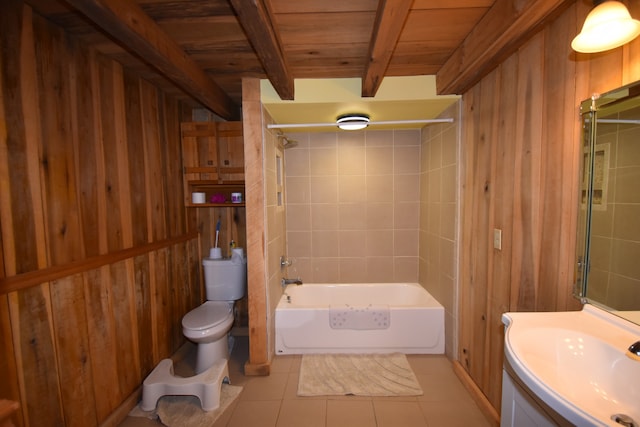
(608, 254)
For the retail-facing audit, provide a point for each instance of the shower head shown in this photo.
(286, 142)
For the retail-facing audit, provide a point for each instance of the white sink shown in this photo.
(576, 363)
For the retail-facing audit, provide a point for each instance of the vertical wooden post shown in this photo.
(258, 363)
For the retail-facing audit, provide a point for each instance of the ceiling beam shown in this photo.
(498, 34)
(125, 21)
(257, 21)
(390, 19)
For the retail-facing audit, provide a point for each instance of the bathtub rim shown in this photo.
(285, 304)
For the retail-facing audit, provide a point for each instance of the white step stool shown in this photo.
(206, 385)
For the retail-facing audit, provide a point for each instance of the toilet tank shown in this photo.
(225, 279)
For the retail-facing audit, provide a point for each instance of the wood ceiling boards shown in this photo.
(201, 49)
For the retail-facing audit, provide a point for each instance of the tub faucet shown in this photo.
(634, 350)
(284, 282)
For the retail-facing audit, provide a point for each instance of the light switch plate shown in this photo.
(497, 239)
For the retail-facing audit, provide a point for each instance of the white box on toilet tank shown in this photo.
(225, 279)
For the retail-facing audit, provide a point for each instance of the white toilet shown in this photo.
(208, 326)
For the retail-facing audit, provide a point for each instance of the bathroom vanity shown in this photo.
(570, 368)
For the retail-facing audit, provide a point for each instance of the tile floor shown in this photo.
(272, 402)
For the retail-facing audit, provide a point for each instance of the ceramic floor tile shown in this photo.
(265, 388)
(428, 363)
(307, 413)
(438, 390)
(291, 391)
(453, 414)
(398, 414)
(295, 363)
(282, 363)
(272, 401)
(223, 419)
(350, 413)
(396, 398)
(255, 414)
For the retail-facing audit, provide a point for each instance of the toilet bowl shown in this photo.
(208, 326)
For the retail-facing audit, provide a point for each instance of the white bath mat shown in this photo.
(186, 411)
(357, 374)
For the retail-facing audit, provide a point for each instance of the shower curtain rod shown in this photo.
(388, 122)
(620, 121)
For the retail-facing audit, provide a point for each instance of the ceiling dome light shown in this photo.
(608, 25)
(352, 121)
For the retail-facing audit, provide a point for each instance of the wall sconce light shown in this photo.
(352, 121)
(608, 25)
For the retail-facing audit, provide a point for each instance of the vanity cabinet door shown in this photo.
(519, 409)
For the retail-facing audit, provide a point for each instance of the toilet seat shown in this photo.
(208, 325)
(207, 315)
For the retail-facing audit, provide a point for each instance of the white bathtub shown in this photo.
(359, 318)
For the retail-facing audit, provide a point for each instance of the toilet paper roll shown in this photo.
(198, 198)
(237, 251)
(237, 255)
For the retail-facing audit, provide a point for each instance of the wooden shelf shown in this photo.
(213, 187)
(215, 184)
(215, 205)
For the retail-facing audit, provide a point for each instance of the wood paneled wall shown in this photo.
(97, 263)
(521, 149)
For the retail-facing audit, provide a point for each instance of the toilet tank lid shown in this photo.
(224, 261)
(206, 315)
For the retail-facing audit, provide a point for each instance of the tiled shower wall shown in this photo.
(439, 216)
(274, 222)
(353, 206)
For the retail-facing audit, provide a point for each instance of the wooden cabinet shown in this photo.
(213, 162)
(213, 159)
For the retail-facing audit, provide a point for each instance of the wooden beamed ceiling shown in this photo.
(257, 21)
(201, 49)
(390, 18)
(126, 22)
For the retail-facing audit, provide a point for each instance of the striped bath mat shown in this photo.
(358, 375)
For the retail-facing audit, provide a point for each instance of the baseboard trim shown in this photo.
(120, 413)
(481, 400)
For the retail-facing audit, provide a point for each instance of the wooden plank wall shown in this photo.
(97, 264)
(521, 148)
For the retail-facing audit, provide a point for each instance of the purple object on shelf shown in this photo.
(218, 198)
